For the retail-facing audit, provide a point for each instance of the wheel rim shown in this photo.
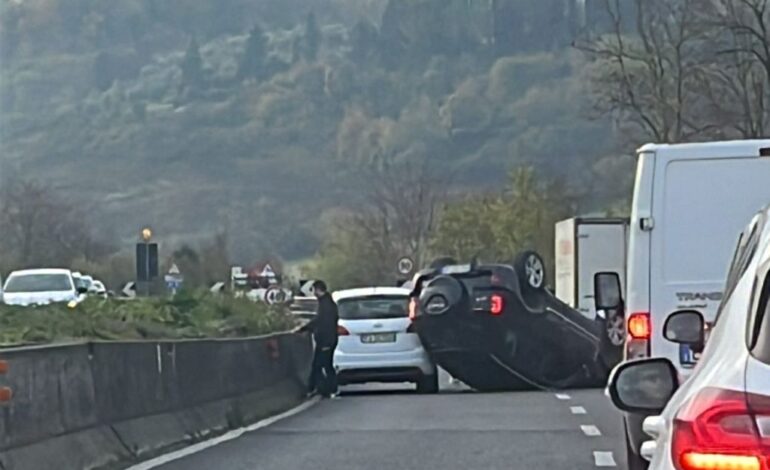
(534, 271)
(616, 330)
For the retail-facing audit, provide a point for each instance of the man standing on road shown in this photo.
(323, 378)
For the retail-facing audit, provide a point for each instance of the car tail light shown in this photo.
(342, 331)
(722, 430)
(496, 304)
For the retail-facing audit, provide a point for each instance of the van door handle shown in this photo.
(646, 224)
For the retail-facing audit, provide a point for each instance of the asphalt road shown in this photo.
(376, 427)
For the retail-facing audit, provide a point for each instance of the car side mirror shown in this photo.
(643, 386)
(607, 295)
(685, 327)
(81, 290)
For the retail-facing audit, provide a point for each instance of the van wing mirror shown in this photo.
(685, 327)
(643, 386)
(607, 295)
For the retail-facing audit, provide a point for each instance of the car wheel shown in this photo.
(530, 268)
(615, 329)
(428, 384)
(633, 459)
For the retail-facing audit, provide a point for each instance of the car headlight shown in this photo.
(436, 304)
(72, 303)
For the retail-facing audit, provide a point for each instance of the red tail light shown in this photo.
(496, 304)
(720, 430)
(342, 331)
(639, 326)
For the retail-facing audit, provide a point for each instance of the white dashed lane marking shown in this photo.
(604, 459)
(590, 430)
(577, 410)
(562, 396)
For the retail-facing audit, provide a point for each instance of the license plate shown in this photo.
(378, 338)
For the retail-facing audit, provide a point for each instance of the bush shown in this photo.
(188, 315)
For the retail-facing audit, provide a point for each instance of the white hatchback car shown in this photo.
(719, 418)
(377, 342)
(40, 287)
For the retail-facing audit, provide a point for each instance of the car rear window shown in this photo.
(374, 307)
(38, 283)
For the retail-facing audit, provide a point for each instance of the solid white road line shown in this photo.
(577, 410)
(562, 396)
(229, 436)
(590, 430)
(604, 459)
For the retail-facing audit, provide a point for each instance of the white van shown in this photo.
(690, 203)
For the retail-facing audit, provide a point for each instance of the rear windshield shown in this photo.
(372, 307)
(38, 283)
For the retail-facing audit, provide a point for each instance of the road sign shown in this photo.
(129, 290)
(267, 271)
(217, 287)
(306, 287)
(405, 265)
(174, 269)
(275, 295)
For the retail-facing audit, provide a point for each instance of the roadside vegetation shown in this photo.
(185, 316)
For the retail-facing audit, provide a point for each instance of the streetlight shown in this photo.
(146, 234)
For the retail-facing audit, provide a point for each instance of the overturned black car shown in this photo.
(496, 327)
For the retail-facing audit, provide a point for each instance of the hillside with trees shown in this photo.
(274, 120)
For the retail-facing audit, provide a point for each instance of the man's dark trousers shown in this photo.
(323, 377)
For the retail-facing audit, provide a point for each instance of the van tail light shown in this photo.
(722, 430)
(496, 304)
(342, 331)
(639, 326)
(639, 334)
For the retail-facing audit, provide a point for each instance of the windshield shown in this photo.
(38, 283)
(375, 307)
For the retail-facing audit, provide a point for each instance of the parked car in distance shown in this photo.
(40, 287)
(719, 418)
(689, 202)
(99, 288)
(377, 342)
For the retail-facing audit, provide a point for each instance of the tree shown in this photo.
(650, 79)
(252, 64)
(192, 66)
(312, 39)
(497, 226)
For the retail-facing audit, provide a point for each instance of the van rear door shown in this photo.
(700, 207)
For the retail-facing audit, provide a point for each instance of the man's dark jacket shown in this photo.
(324, 325)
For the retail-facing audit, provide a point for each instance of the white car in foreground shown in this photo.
(41, 287)
(377, 342)
(719, 419)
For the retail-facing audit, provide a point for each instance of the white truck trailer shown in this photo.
(583, 247)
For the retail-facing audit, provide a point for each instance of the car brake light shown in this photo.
(720, 430)
(496, 304)
(342, 331)
(639, 326)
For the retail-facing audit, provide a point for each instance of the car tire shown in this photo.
(634, 461)
(428, 384)
(530, 268)
(612, 339)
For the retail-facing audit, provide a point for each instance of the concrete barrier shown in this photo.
(109, 405)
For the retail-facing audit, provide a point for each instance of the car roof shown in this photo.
(26, 272)
(369, 292)
(700, 150)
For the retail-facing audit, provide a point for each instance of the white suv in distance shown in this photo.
(720, 417)
(41, 287)
(377, 342)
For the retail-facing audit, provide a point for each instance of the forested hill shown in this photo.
(257, 115)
